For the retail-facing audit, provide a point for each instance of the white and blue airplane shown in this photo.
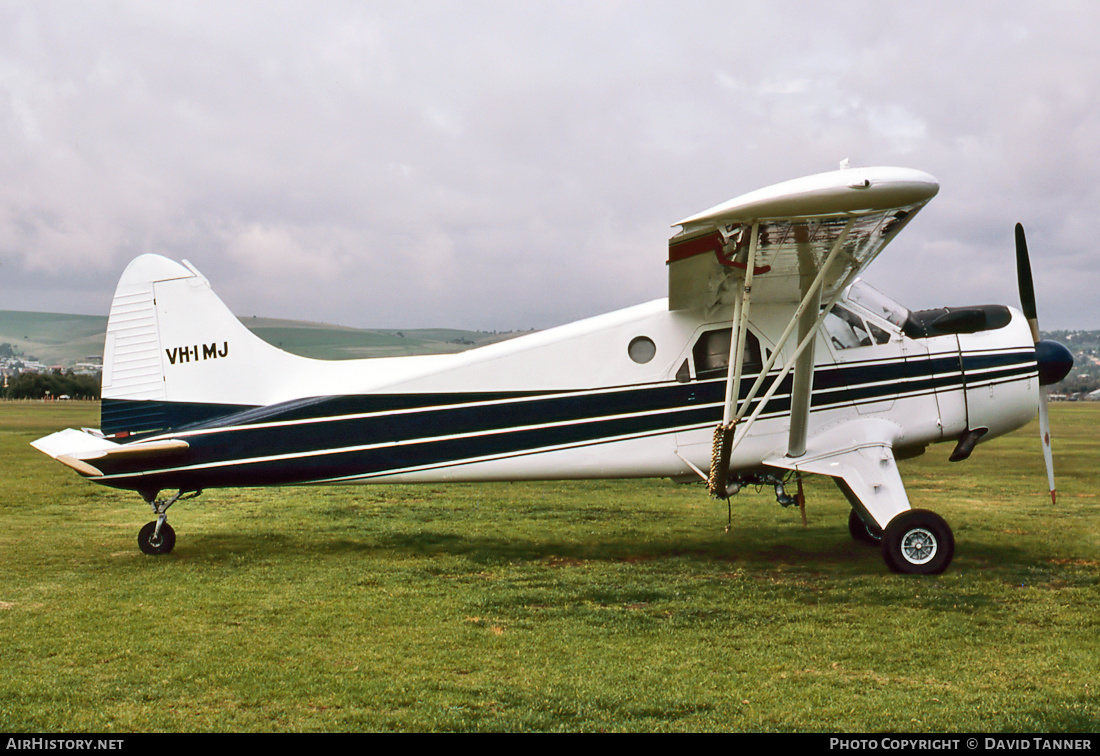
(830, 377)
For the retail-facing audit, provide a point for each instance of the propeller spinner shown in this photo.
(1055, 361)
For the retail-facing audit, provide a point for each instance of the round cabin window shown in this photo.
(641, 349)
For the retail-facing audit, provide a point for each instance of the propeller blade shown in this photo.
(1026, 285)
(1044, 432)
(1027, 304)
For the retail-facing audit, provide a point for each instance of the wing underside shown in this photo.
(706, 264)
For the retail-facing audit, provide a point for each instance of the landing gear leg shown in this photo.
(158, 537)
(862, 532)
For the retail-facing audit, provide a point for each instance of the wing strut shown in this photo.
(803, 381)
(725, 440)
(740, 325)
(723, 433)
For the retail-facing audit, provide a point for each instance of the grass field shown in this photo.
(620, 606)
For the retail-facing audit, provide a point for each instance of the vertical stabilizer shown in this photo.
(175, 354)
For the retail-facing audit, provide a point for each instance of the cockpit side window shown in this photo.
(877, 303)
(880, 336)
(711, 354)
(846, 330)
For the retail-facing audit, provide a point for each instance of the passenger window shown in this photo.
(712, 354)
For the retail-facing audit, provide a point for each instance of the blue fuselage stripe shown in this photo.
(325, 438)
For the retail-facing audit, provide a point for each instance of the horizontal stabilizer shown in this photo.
(78, 448)
(73, 443)
(166, 448)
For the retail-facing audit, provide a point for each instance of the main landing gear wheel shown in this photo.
(918, 542)
(861, 531)
(152, 543)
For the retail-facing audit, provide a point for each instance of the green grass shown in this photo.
(620, 606)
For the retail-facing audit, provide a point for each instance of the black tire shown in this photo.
(862, 532)
(156, 545)
(918, 542)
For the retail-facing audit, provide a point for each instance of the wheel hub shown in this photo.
(918, 546)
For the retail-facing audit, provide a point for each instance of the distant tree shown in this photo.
(55, 384)
(27, 386)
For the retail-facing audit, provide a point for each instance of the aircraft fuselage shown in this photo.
(628, 394)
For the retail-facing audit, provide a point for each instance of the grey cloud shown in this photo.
(504, 165)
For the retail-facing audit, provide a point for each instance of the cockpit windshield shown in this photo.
(877, 303)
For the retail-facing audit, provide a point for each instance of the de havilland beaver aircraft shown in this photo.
(829, 377)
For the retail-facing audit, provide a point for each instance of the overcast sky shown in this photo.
(508, 165)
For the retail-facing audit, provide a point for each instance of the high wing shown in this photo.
(799, 222)
(801, 243)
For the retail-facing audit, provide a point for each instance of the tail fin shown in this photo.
(175, 354)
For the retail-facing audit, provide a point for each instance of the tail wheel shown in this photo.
(918, 542)
(151, 543)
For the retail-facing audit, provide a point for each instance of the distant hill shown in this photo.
(53, 338)
(331, 342)
(65, 340)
